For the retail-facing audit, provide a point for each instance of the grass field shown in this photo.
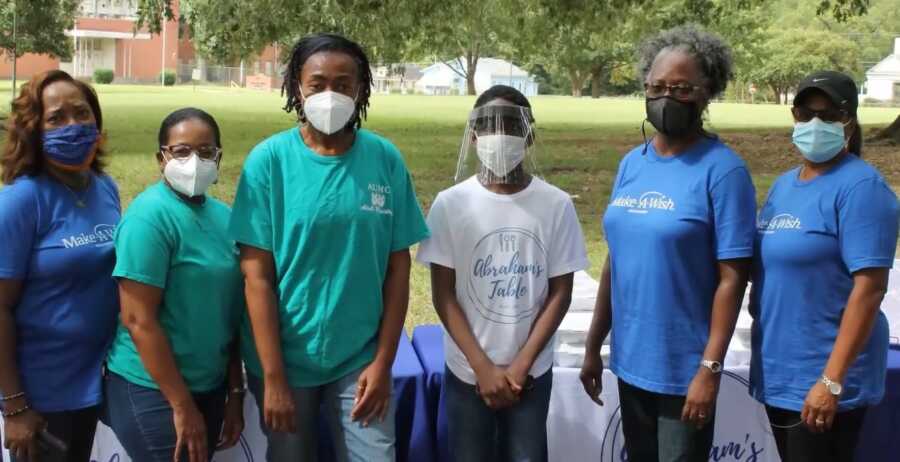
(580, 143)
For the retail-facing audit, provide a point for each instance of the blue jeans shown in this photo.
(142, 419)
(352, 441)
(654, 432)
(479, 433)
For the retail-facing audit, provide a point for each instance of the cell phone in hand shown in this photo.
(52, 449)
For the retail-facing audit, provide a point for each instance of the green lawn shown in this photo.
(580, 142)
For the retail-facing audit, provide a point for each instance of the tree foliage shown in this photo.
(40, 26)
(793, 54)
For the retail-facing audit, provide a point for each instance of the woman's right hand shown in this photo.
(21, 435)
(190, 430)
(494, 388)
(592, 377)
(278, 406)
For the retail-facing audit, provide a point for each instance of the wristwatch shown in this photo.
(714, 366)
(833, 387)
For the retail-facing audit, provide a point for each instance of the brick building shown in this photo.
(104, 37)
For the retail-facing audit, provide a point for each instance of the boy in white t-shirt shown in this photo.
(503, 250)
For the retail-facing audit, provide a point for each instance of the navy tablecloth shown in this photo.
(880, 437)
(428, 342)
(415, 438)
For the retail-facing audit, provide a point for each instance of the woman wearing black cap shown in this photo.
(825, 243)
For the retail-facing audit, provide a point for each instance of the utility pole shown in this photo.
(15, 50)
(162, 73)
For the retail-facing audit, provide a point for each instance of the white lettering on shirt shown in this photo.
(651, 200)
(102, 235)
(782, 221)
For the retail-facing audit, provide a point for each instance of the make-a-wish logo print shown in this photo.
(507, 279)
(780, 222)
(101, 236)
(650, 200)
(378, 198)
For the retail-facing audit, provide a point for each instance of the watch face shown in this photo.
(835, 388)
(716, 367)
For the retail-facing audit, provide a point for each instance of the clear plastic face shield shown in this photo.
(498, 145)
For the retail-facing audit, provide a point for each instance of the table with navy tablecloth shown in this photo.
(579, 430)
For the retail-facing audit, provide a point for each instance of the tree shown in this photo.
(793, 54)
(460, 32)
(230, 30)
(40, 27)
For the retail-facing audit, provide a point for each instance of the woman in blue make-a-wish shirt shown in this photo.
(825, 243)
(58, 300)
(680, 226)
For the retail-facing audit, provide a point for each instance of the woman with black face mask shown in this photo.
(680, 227)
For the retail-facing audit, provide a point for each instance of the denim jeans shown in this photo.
(798, 444)
(479, 433)
(76, 429)
(352, 441)
(654, 432)
(142, 419)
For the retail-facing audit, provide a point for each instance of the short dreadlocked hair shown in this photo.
(317, 43)
(712, 54)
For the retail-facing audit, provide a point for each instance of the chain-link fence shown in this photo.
(188, 73)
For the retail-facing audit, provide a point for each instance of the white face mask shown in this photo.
(191, 176)
(328, 111)
(500, 153)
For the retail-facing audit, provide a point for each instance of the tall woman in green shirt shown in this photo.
(174, 373)
(324, 215)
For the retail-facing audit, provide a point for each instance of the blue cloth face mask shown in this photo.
(71, 145)
(819, 141)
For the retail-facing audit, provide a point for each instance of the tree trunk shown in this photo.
(891, 133)
(577, 78)
(471, 67)
(596, 81)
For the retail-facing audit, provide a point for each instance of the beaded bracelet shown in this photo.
(12, 397)
(21, 410)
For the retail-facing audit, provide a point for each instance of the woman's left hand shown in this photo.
(233, 424)
(700, 402)
(373, 394)
(819, 408)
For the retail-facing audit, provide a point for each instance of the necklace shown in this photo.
(79, 200)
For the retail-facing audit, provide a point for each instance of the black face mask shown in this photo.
(672, 117)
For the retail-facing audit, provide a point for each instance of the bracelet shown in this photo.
(21, 410)
(237, 391)
(12, 396)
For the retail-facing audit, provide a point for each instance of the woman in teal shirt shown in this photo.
(182, 300)
(324, 216)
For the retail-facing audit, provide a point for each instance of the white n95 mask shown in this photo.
(191, 176)
(328, 111)
(500, 153)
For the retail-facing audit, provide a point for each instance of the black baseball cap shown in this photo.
(839, 87)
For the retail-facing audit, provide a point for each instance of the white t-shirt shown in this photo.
(504, 248)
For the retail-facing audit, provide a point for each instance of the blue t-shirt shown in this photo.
(812, 236)
(669, 222)
(66, 314)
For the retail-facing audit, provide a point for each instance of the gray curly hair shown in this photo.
(713, 55)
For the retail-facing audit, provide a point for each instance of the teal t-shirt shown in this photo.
(184, 249)
(331, 224)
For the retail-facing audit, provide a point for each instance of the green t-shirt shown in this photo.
(331, 224)
(185, 250)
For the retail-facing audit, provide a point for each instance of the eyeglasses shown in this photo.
(183, 151)
(679, 91)
(805, 114)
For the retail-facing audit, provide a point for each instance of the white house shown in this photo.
(883, 80)
(440, 79)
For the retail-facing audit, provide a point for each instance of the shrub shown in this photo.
(103, 76)
(168, 77)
